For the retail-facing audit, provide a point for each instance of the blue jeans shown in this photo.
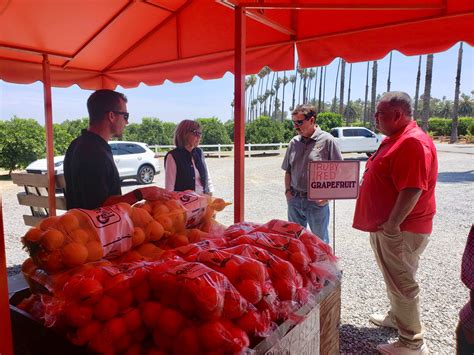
(304, 212)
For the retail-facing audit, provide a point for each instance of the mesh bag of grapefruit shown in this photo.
(247, 275)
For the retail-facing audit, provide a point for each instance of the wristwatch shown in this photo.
(138, 194)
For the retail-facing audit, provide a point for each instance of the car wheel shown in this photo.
(145, 174)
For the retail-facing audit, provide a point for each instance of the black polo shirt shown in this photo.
(90, 172)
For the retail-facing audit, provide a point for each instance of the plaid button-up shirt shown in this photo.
(467, 276)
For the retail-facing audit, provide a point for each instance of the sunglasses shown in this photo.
(300, 122)
(197, 133)
(125, 115)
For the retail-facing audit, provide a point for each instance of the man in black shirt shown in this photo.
(92, 179)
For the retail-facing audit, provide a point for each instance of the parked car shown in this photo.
(357, 140)
(134, 160)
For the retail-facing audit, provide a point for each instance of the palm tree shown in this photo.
(301, 73)
(365, 119)
(252, 82)
(454, 128)
(373, 97)
(466, 106)
(278, 83)
(284, 82)
(320, 88)
(389, 72)
(293, 79)
(348, 106)
(324, 90)
(311, 76)
(333, 106)
(427, 93)
(315, 84)
(417, 90)
(341, 92)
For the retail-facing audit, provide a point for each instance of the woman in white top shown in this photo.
(185, 165)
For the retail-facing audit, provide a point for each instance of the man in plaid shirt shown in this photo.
(465, 329)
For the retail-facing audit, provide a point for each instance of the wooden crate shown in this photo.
(317, 334)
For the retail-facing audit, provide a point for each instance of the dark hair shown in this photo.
(307, 110)
(103, 101)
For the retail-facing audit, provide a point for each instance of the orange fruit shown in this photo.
(150, 312)
(48, 223)
(239, 339)
(140, 217)
(52, 239)
(105, 308)
(300, 261)
(94, 251)
(253, 270)
(77, 315)
(28, 266)
(142, 292)
(234, 305)
(131, 256)
(33, 235)
(123, 343)
(116, 285)
(51, 261)
(74, 254)
(160, 209)
(79, 236)
(124, 299)
(147, 207)
(148, 250)
(179, 240)
(138, 236)
(170, 321)
(166, 222)
(187, 342)
(173, 205)
(213, 335)
(114, 329)
(231, 270)
(154, 231)
(125, 206)
(134, 349)
(68, 222)
(89, 271)
(88, 291)
(163, 341)
(250, 290)
(101, 344)
(132, 319)
(218, 204)
(84, 334)
(285, 289)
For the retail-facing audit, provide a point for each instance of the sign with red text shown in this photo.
(333, 180)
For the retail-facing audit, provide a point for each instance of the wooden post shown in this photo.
(239, 114)
(6, 345)
(48, 123)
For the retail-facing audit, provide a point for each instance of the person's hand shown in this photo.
(289, 195)
(389, 228)
(321, 202)
(157, 193)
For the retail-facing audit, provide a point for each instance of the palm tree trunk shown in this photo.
(365, 119)
(315, 85)
(389, 72)
(333, 107)
(270, 96)
(374, 94)
(324, 90)
(349, 92)
(425, 115)
(283, 97)
(417, 90)
(320, 89)
(454, 129)
(299, 89)
(341, 91)
(294, 87)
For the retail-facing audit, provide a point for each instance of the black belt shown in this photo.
(300, 194)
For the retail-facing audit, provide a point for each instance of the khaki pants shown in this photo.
(397, 257)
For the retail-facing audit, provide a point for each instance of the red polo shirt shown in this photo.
(405, 160)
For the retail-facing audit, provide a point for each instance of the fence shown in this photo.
(220, 150)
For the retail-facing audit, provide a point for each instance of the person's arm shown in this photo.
(466, 316)
(149, 193)
(404, 204)
(288, 192)
(170, 173)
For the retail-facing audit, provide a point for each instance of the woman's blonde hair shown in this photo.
(182, 130)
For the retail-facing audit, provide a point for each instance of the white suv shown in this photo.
(357, 140)
(134, 160)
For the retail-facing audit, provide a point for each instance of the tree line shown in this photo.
(23, 141)
(265, 94)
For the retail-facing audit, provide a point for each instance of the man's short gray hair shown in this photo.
(398, 99)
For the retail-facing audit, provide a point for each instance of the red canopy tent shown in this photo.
(102, 44)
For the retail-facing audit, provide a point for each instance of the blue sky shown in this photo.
(207, 98)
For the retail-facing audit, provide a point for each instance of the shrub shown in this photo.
(328, 120)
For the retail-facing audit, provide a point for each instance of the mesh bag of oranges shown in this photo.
(80, 236)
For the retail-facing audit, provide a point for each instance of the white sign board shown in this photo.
(333, 180)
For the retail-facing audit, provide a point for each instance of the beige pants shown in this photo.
(397, 257)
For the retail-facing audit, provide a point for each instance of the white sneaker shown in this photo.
(399, 348)
(382, 321)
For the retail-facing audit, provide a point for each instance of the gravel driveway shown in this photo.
(363, 289)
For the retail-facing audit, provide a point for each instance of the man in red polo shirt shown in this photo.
(396, 206)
